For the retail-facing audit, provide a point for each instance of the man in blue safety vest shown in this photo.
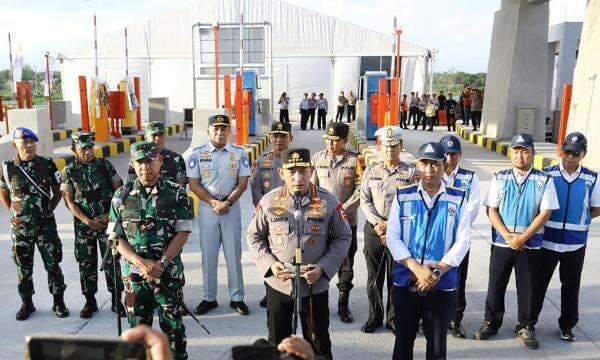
(519, 202)
(428, 237)
(468, 181)
(566, 233)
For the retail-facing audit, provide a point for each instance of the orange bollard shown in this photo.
(564, 115)
(247, 95)
(85, 116)
(382, 103)
(227, 90)
(28, 102)
(239, 114)
(394, 100)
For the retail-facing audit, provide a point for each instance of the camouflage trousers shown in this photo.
(25, 238)
(87, 243)
(141, 299)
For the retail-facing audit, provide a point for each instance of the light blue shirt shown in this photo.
(217, 169)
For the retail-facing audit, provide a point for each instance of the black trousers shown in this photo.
(280, 312)
(403, 117)
(351, 113)
(434, 309)
(461, 299)
(284, 115)
(526, 263)
(340, 113)
(321, 118)
(303, 118)
(476, 118)
(420, 120)
(374, 252)
(413, 113)
(346, 272)
(451, 121)
(571, 265)
(311, 113)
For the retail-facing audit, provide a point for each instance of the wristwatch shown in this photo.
(228, 202)
(437, 273)
(164, 262)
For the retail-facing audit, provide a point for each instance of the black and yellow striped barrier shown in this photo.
(58, 135)
(500, 146)
(114, 147)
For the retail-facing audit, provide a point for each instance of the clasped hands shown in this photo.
(310, 272)
(515, 241)
(151, 269)
(219, 207)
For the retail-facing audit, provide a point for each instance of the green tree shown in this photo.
(453, 81)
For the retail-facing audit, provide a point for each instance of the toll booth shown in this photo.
(249, 85)
(370, 92)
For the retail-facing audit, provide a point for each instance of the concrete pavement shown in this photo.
(229, 329)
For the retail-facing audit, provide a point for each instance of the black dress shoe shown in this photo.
(390, 327)
(370, 326)
(205, 306)
(240, 307)
(263, 302)
(457, 330)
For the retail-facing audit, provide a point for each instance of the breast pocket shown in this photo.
(323, 172)
(206, 169)
(19, 188)
(279, 237)
(166, 208)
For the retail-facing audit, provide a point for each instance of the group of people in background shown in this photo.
(311, 105)
(427, 110)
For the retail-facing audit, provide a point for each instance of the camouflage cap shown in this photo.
(144, 150)
(83, 139)
(155, 127)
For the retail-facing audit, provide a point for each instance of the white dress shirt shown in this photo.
(474, 199)
(455, 254)
(549, 197)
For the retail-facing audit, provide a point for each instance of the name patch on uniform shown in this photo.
(315, 219)
(278, 218)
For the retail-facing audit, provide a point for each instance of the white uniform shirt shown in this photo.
(594, 202)
(455, 254)
(474, 199)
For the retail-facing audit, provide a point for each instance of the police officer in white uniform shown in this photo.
(519, 202)
(468, 181)
(566, 233)
(218, 174)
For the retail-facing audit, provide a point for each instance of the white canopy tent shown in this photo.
(312, 52)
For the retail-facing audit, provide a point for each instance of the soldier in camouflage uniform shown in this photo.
(173, 168)
(29, 188)
(152, 222)
(87, 186)
(338, 171)
(265, 176)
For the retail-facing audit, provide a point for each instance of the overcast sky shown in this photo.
(460, 29)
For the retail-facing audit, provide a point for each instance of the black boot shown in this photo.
(26, 309)
(59, 307)
(89, 308)
(343, 311)
(118, 306)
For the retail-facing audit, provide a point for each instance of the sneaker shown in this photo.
(205, 306)
(240, 307)
(527, 335)
(485, 331)
(457, 330)
(567, 335)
